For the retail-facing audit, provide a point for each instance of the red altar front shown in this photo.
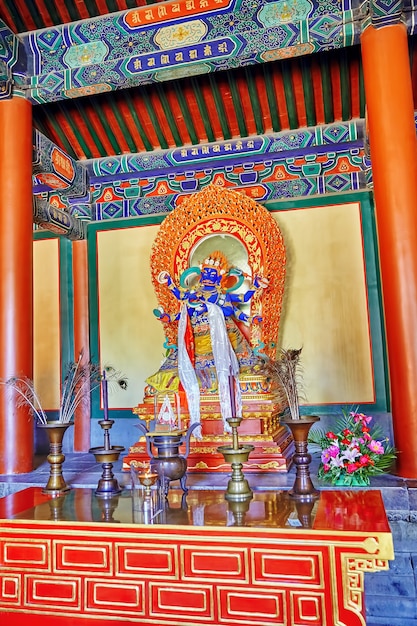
(272, 561)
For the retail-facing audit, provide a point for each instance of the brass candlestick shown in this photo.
(147, 480)
(106, 455)
(238, 487)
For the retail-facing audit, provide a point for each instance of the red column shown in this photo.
(81, 338)
(392, 137)
(16, 282)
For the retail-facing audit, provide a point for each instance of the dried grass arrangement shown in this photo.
(287, 378)
(80, 380)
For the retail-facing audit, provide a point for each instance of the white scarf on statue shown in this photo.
(226, 364)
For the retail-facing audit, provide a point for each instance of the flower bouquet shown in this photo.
(354, 453)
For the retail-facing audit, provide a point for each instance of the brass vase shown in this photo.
(55, 431)
(303, 487)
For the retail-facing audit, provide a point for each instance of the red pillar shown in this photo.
(16, 282)
(82, 423)
(393, 144)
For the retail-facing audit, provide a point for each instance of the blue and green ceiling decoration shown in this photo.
(137, 104)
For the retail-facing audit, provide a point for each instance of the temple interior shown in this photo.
(191, 189)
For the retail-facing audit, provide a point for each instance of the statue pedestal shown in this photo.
(260, 427)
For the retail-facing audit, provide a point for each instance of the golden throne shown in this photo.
(244, 232)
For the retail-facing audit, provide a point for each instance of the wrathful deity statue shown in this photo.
(213, 335)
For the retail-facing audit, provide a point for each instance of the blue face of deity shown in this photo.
(210, 276)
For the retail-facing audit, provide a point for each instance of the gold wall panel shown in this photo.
(325, 307)
(131, 338)
(46, 322)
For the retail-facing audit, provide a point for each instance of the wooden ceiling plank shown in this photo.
(126, 132)
(51, 12)
(298, 92)
(317, 91)
(98, 144)
(246, 104)
(49, 126)
(186, 113)
(11, 17)
(71, 8)
(289, 95)
(189, 96)
(345, 87)
(61, 121)
(336, 88)
(263, 98)
(113, 129)
(218, 103)
(74, 122)
(327, 89)
(112, 6)
(254, 101)
(89, 7)
(202, 107)
(270, 94)
(309, 102)
(170, 117)
(280, 96)
(133, 126)
(362, 96)
(227, 103)
(29, 15)
(140, 105)
(102, 7)
(139, 125)
(237, 104)
(153, 108)
(94, 119)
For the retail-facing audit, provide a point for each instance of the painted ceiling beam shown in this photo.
(54, 170)
(11, 48)
(178, 38)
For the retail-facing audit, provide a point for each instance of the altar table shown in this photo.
(80, 560)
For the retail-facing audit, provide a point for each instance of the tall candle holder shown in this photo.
(238, 487)
(107, 454)
(108, 485)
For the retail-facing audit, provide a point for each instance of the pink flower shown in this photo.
(333, 451)
(376, 447)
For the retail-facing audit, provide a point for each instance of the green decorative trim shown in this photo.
(92, 232)
(66, 298)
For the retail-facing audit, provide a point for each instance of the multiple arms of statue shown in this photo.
(226, 300)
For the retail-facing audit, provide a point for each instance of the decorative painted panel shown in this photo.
(267, 571)
(180, 38)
